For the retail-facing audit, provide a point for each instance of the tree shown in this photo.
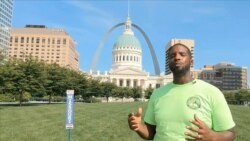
(137, 92)
(93, 88)
(2, 56)
(148, 92)
(106, 89)
(123, 92)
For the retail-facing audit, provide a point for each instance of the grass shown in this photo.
(92, 122)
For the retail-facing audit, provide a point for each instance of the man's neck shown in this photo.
(182, 79)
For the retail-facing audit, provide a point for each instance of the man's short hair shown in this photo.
(189, 51)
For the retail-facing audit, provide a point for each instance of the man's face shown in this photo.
(179, 59)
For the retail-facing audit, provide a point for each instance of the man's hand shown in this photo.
(134, 120)
(201, 132)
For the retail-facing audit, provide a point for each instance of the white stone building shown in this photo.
(126, 68)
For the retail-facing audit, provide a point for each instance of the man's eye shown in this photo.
(183, 54)
(172, 56)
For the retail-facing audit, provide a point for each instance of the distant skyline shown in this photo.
(220, 29)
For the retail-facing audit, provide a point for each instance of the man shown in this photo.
(185, 109)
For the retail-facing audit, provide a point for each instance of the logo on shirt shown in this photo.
(194, 102)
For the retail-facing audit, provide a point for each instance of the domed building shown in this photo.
(127, 50)
(126, 68)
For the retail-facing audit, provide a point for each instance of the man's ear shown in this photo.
(191, 61)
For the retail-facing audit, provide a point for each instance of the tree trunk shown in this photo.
(107, 98)
(20, 98)
(49, 98)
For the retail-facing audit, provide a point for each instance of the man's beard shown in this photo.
(179, 71)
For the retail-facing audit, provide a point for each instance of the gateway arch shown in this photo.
(104, 38)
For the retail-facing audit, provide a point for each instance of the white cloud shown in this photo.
(93, 15)
(209, 11)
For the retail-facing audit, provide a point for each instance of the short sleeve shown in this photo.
(149, 115)
(221, 115)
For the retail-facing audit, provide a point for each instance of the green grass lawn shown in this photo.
(92, 122)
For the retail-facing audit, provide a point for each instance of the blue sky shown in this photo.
(221, 29)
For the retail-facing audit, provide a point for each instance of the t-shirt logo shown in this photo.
(194, 102)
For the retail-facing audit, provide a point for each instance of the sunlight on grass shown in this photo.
(92, 122)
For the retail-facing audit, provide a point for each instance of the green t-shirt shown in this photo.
(172, 106)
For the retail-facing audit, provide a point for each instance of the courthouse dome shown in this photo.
(127, 52)
(127, 40)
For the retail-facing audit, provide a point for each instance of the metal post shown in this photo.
(68, 134)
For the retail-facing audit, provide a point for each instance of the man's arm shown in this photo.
(228, 135)
(145, 131)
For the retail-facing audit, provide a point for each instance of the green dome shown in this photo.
(126, 40)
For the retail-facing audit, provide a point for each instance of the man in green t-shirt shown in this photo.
(185, 109)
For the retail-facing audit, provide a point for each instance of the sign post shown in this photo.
(70, 111)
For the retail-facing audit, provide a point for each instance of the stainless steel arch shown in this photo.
(151, 48)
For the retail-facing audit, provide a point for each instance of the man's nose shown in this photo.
(177, 57)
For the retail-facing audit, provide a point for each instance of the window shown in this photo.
(64, 41)
(22, 39)
(127, 83)
(43, 40)
(16, 39)
(120, 82)
(37, 40)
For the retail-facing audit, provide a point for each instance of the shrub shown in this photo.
(26, 97)
(93, 100)
(7, 98)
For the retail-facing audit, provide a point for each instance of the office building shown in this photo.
(6, 7)
(225, 76)
(50, 45)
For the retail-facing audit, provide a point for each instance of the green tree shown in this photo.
(124, 92)
(2, 56)
(106, 89)
(93, 88)
(148, 92)
(137, 92)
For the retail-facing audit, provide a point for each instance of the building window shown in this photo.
(37, 40)
(120, 82)
(127, 83)
(135, 83)
(22, 39)
(16, 39)
(43, 40)
(64, 41)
